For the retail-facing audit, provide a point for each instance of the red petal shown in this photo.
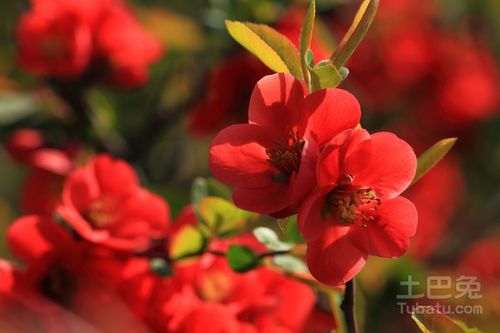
(264, 200)
(238, 156)
(389, 235)
(392, 166)
(32, 238)
(335, 258)
(80, 189)
(346, 154)
(305, 180)
(330, 112)
(276, 102)
(114, 176)
(311, 224)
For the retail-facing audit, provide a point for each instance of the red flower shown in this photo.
(29, 147)
(271, 159)
(104, 203)
(72, 39)
(356, 210)
(49, 165)
(127, 48)
(206, 290)
(228, 86)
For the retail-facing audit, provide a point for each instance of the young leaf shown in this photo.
(189, 241)
(431, 156)
(305, 40)
(324, 75)
(362, 22)
(430, 320)
(269, 238)
(275, 50)
(222, 216)
(290, 263)
(242, 259)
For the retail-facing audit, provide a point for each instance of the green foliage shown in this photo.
(272, 48)
(429, 320)
(242, 259)
(306, 35)
(221, 216)
(189, 241)
(431, 156)
(357, 31)
(269, 238)
(290, 263)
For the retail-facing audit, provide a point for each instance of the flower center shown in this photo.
(215, 286)
(285, 153)
(103, 211)
(351, 203)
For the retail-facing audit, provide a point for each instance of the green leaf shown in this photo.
(290, 263)
(189, 241)
(362, 22)
(305, 40)
(242, 259)
(221, 216)
(275, 50)
(269, 238)
(292, 232)
(430, 320)
(431, 156)
(324, 75)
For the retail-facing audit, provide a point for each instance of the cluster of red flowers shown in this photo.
(304, 153)
(408, 59)
(101, 249)
(86, 40)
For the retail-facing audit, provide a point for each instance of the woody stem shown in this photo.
(347, 307)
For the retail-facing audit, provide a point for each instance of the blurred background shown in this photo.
(427, 70)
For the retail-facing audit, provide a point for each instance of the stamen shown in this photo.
(352, 203)
(286, 153)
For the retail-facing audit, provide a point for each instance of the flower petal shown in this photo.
(330, 112)
(309, 220)
(336, 258)
(389, 236)
(33, 238)
(114, 176)
(346, 154)
(305, 180)
(263, 200)
(276, 102)
(238, 156)
(392, 166)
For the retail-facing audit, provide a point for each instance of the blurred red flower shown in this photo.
(48, 165)
(105, 204)
(436, 196)
(230, 84)
(271, 159)
(207, 296)
(70, 39)
(356, 210)
(229, 87)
